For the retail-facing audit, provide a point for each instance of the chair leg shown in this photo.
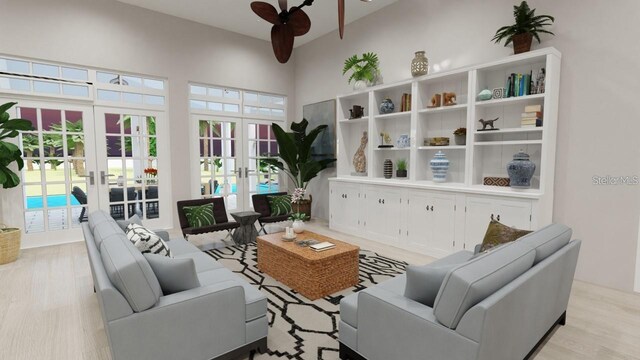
(262, 228)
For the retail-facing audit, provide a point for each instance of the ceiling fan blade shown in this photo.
(282, 42)
(266, 11)
(283, 4)
(300, 22)
(341, 17)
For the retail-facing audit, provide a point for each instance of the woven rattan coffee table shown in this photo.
(312, 274)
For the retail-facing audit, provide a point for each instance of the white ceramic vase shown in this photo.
(298, 226)
(359, 85)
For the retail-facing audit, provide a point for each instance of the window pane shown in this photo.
(232, 94)
(215, 92)
(14, 66)
(106, 78)
(197, 104)
(46, 70)
(154, 84)
(132, 98)
(75, 90)
(231, 108)
(214, 106)
(131, 81)
(46, 87)
(14, 84)
(264, 99)
(154, 100)
(75, 74)
(198, 90)
(108, 95)
(249, 96)
(265, 111)
(277, 112)
(278, 100)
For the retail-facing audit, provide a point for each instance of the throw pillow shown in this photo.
(135, 219)
(280, 204)
(423, 282)
(199, 216)
(174, 275)
(147, 241)
(498, 234)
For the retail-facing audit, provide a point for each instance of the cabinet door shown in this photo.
(478, 214)
(383, 213)
(345, 206)
(443, 225)
(418, 233)
(515, 213)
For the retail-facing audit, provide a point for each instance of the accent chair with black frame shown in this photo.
(219, 214)
(261, 205)
(81, 196)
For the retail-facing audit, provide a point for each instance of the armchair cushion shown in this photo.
(423, 282)
(174, 275)
(200, 215)
(548, 240)
(147, 241)
(280, 204)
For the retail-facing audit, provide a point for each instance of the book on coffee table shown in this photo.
(322, 246)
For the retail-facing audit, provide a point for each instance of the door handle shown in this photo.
(104, 176)
(431, 207)
(239, 172)
(92, 179)
(247, 171)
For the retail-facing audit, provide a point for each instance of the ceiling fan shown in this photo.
(289, 23)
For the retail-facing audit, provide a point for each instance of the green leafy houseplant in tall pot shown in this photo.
(10, 154)
(528, 26)
(296, 161)
(364, 70)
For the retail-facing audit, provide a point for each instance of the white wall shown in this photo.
(598, 122)
(109, 34)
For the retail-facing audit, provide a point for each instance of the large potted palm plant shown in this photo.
(296, 161)
(10, 154)
(528, 26)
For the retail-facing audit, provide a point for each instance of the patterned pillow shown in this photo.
(498, 234)
(147, 241)
(280, 204)
(199, 216)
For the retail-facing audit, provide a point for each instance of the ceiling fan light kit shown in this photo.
(289, 23)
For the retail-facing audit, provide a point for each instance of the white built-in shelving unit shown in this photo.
(485, 154)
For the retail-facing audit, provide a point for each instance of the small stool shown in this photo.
(247, 232)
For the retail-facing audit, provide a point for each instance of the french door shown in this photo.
(229, 164)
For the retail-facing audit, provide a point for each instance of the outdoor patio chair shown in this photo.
(80, 195)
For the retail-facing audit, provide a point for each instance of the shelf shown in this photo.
(512, 142)
(442, 109)
(509, 101)
(450, 147)
(355, 121)
(510, 131)
(392, 149)
(396, 115)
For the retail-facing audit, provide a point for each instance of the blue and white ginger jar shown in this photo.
(387, 107)
(439, 167)
(521, 170)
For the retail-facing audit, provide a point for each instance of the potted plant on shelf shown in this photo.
(296, 161)
(460, 135)
(364, 70)
(528, 26)
(10, 155)
(298, 221)
(401, 170)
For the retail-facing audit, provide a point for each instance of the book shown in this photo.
(532, 108)
(534, 114)
(323, 246)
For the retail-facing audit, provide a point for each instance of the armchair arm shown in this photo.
(391, 326)
(200, 323)
(476, 249)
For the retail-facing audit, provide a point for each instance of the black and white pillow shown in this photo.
(147, 241)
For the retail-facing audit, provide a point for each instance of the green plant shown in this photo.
(460, 131)
(364, 68)
(9, 152)
(401, 164)
(295, 153)
(298, 216)
(527, 22)
(30, 144)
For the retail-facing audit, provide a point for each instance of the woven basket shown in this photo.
(9, 244)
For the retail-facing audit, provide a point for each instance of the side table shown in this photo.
(247, 232)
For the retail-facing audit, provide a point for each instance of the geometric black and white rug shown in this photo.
(299, 328)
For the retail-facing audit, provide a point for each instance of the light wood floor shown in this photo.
(48, 309)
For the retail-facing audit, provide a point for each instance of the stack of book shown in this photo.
(518, 85)
(532, 116)
(322, 246)
(405, 103)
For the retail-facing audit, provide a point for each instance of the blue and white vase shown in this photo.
(439, 167)
(521, 170)
(403, 141)
(387, 107)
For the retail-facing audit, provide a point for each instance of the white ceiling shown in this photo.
(236, 15)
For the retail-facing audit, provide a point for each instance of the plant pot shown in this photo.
(9, 245)
(461, 139)
(522, 43)
(401, 173)
(303, 206)
(359, 85)
(298, 226)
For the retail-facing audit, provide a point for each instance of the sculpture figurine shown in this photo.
(435, 101)
(360, 159)
(488, 122)
(448, 98)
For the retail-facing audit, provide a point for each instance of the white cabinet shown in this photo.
(345, 207)
(480, 209)
(382, 207)
(430, 223)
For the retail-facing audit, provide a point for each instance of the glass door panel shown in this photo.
(260, 143)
